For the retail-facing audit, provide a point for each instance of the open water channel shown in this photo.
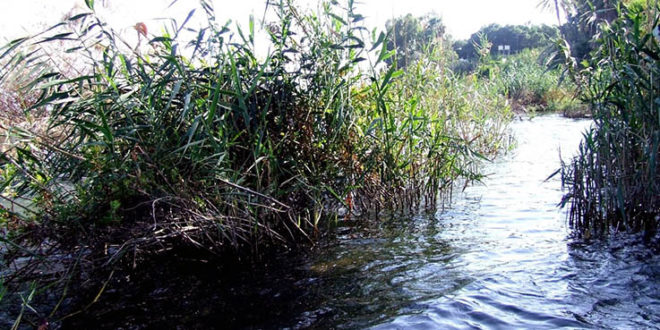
(500, 256)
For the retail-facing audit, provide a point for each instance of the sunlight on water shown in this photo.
(499, 257)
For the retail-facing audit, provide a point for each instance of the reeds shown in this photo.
(614, 180)
(434, 127)
(532, 86)
(206, 144)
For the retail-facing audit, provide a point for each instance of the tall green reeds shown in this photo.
(614, 181)
(434, 127)
(206, 144)
(202, 140)
(532, 86)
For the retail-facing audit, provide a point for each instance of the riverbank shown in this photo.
(176, 148)
(500, 255)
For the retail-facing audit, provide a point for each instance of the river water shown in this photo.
(500, 256)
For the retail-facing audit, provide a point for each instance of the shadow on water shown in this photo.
(499, 257)
(358, 279)
(615, 284)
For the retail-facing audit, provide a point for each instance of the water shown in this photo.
(499, 257)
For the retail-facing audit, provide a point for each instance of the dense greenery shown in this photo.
(412, 36)
(531, 86)
(518, 37)
(583, 18)
(522, 76)
(527, 74)
(614, 182)
(204, 144)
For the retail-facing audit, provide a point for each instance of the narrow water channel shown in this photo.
(499, 257)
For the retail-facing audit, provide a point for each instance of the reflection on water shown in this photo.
(499, 257)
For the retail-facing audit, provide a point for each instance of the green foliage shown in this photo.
(411, 37)
(582, 20)
(530, 85)
(518, 37)
(215, 125)
(614, 181)
(205, 144)
(434, 126)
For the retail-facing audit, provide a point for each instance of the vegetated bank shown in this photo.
(518, 61)
(614, 182)
(533, 86)
(166, 146)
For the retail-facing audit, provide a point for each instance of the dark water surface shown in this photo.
(499, 257)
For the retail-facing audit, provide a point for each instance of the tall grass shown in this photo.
(529, 79)
(455, 121)
(614, 181)
(206, 144)
(533, 86)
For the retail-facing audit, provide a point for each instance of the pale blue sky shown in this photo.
(462, 17)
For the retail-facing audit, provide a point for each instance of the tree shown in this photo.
(410, 36)
(582, 19)
(518, 37)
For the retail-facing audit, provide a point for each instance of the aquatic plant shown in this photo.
(529, 78)
(533, 86)
(457, 120)
(207, 145)
(613, 183)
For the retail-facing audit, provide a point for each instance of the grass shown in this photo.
(532, 86)
(613, 182)
(202, 144)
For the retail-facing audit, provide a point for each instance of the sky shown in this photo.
(462, 17)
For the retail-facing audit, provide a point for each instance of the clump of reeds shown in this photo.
(207, 144)
(532, 86)
(614, 181)
(457, 121)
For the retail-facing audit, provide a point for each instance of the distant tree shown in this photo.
(410, 36)
(518, 37)
(582, 19)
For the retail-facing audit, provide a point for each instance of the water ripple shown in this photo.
(498, 258)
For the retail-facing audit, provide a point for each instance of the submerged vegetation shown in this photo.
(614, 182)
(204, 144)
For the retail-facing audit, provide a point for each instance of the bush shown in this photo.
(530, 85)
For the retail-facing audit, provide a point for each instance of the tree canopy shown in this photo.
(582, 19)
(518, 37)
(410, 35)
